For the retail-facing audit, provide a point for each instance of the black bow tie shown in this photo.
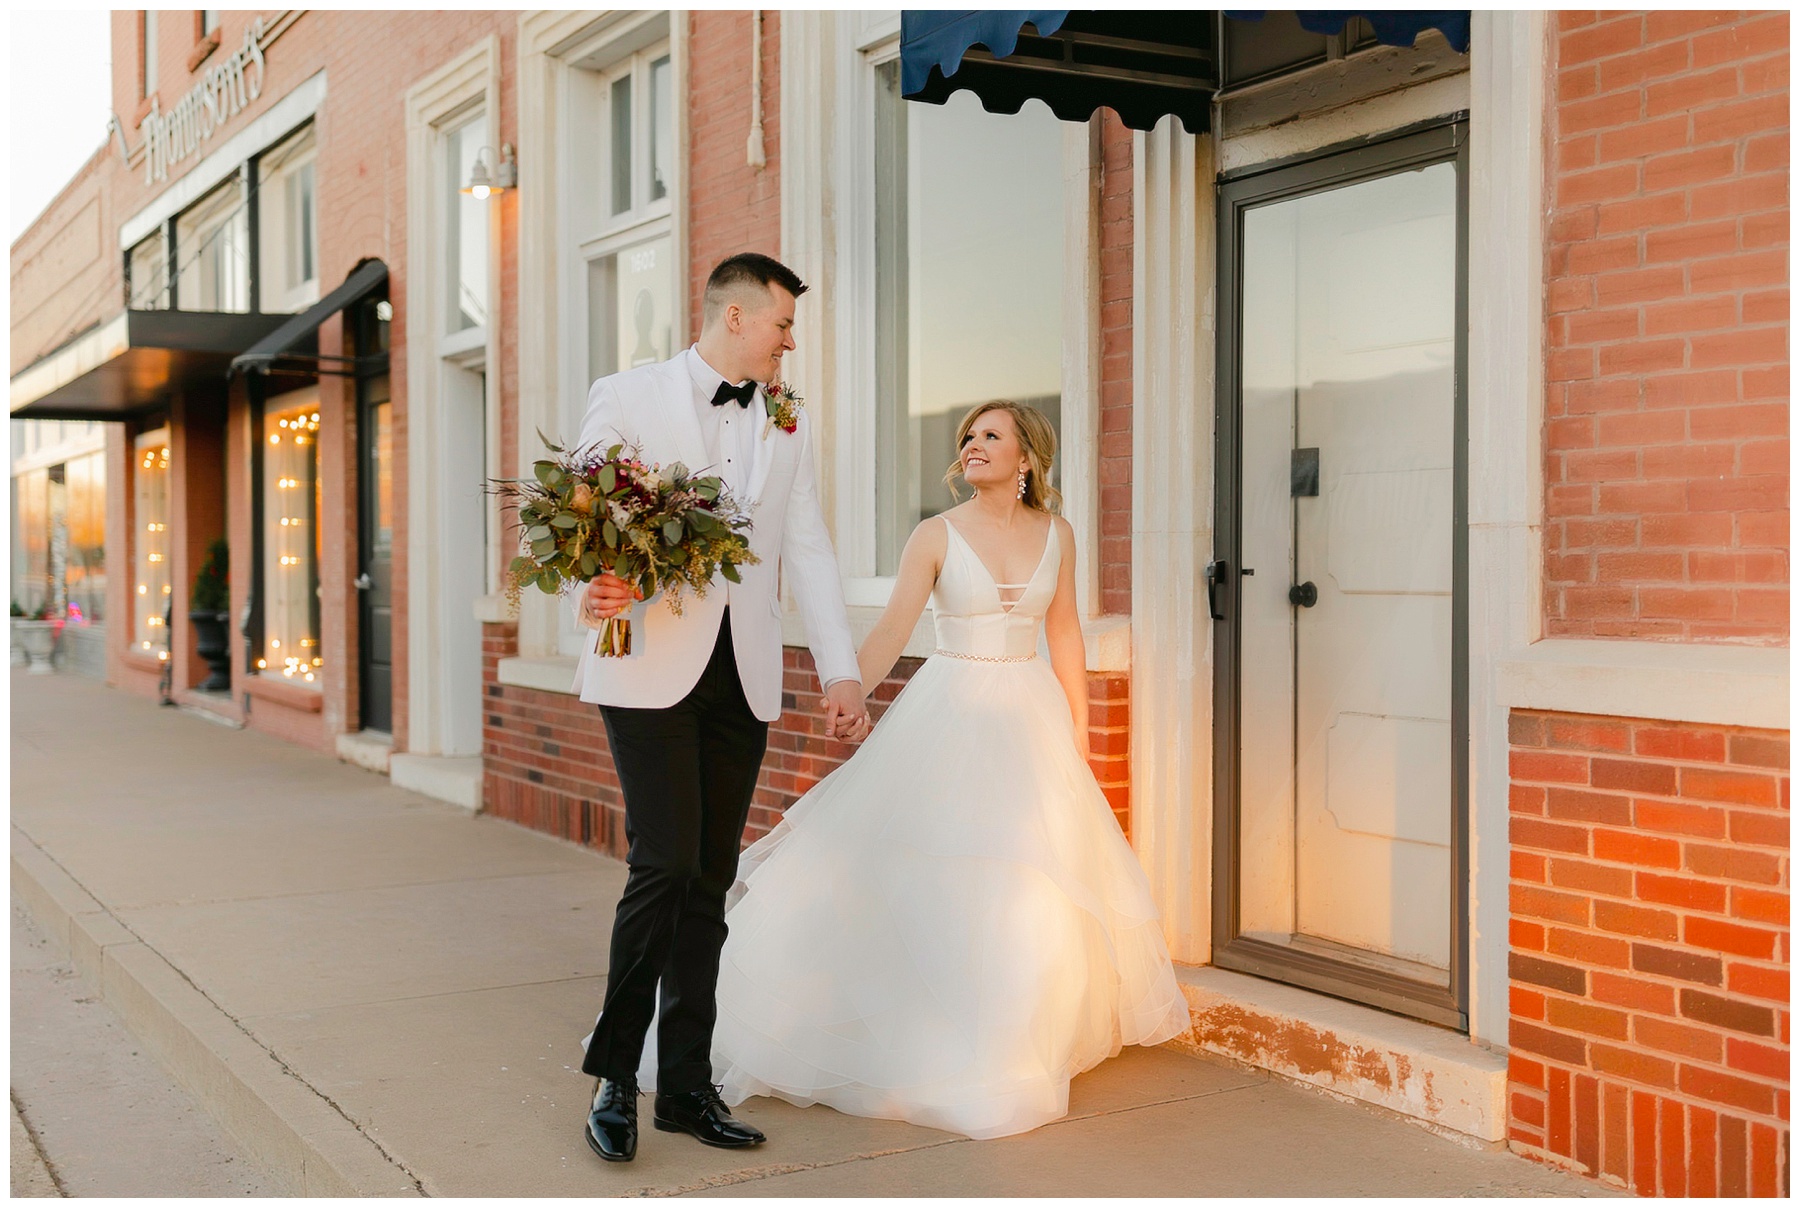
(727, 392)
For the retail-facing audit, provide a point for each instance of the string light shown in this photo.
(295, 430)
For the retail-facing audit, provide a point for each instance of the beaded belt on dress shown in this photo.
(985, 658)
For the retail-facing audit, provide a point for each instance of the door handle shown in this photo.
(362, 582)
(1215, 579)
(1305, 595)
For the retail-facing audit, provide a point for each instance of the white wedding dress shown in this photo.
(950, 926)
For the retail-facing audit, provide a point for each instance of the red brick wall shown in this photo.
(547, 765)
(1649, 951)
(1115, 364)
(732, 207)
(1666, 412)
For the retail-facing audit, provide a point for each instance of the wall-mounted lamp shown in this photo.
(482, 184)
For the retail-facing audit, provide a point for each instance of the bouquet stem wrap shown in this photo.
(660, 529)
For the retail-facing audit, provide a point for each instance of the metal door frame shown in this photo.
(1439, 141)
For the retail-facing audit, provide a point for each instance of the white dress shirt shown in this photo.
(730, 432)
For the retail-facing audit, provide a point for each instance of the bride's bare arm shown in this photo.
(919, 563)
(1062, 633)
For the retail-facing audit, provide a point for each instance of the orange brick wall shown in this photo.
(1666, 455)
(547, 765)
(1649, 952)
(732, 207)
(1115, 364)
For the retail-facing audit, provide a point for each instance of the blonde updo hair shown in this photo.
(1037, 440)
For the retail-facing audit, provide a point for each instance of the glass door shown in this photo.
(1338, 587)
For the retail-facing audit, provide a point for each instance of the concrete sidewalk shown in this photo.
(378, 994)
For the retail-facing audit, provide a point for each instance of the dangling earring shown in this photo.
(1021, 484)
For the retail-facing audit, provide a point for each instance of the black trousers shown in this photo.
(687, 773)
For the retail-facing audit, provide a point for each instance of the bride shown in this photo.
(951, 926)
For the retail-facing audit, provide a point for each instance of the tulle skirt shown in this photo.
(950, 926)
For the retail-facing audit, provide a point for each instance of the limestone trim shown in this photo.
(1173, 295)
(1660, 681)
(469, 80)
(1505, 418)
(1107, 641)
(552, 369)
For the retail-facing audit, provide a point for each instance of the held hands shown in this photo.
(608, 595)
(845, 714)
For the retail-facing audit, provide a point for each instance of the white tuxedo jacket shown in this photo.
(652, 406)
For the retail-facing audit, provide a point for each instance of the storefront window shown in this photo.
(31, 539)
(968, 285)
(291, 552)
(151, 541)
(84, 520)
(466, 229)
(288, 218)
(148, 269)
(212, 248)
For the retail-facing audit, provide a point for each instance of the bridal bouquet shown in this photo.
(593, 509)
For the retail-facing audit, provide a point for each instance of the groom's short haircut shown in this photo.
(745, 279)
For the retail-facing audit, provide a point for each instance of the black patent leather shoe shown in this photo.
(612, 1121)
(703, 1115)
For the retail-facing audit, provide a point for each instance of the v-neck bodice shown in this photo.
(970, 616)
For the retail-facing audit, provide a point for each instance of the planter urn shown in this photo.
(38, 640)
(212, 643)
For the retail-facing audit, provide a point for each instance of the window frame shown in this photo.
(145, 552)
(302, 294)
(305, 399)
(592, 232)
(866, 41)
(148, 80)
(465, 341)
(178, 268)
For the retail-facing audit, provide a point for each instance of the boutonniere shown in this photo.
(782, 406)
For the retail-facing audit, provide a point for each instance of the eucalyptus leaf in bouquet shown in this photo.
(660, 529)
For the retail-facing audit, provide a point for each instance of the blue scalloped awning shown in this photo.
(1393, 28)
(1142, 64)
(934, 38)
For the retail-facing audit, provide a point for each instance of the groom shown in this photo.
(687, 713)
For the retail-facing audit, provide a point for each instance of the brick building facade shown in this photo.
(1650, 858)
(1609, 991)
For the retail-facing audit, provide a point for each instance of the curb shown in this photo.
(299, 1136)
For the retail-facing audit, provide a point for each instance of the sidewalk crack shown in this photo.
(37, 1144)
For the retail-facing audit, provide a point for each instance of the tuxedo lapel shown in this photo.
(676, 407)
(767, 447)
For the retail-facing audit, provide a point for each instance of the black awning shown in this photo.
(297, 339)
(134, 362)
(1143, 65)
(1400, 27)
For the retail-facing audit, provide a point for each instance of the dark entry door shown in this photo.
(374, 581)
(1341, 598)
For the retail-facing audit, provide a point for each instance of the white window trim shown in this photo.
(468, 81)
(552, 295)
(306, 293)
(828, 210)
